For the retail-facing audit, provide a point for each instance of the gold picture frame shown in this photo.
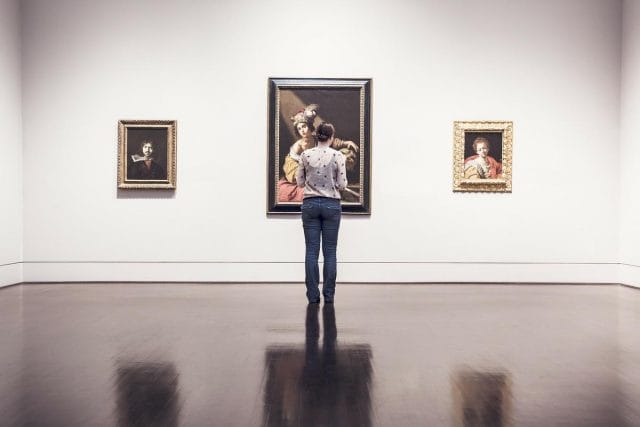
(482, 156)
(147, 154)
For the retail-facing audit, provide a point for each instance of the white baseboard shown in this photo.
(630, 275)
(162, 272)
(387, 272)
(10, 274)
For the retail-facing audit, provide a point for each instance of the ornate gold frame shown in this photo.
(497, 185)
(123, 130)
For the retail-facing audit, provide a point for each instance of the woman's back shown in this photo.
(322, 172)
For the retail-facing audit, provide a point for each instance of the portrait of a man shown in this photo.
(143, 165)
(146, 157)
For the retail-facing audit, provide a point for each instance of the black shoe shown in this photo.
(315, 301)
(328, 300)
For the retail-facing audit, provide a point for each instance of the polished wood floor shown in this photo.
(382, 355)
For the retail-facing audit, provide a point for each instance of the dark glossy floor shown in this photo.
(384, 355)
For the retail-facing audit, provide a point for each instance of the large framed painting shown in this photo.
(482, 153)
(296, 107)
(147, 154)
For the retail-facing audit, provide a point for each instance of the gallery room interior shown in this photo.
(186, 306)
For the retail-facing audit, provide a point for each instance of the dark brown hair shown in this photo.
(147, 141)
(325, 131)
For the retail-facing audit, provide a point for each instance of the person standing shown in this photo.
(322, 174)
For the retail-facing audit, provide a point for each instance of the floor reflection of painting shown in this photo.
(318, 386)
(481, 399)
(147, 394)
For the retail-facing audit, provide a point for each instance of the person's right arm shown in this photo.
(300, 174)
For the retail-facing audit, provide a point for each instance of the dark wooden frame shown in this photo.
(358, 89)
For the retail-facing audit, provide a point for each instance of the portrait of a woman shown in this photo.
(303, 123)
(481, 165)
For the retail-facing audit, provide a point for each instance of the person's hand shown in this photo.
(351, 145)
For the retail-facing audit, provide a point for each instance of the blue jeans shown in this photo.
(321, 221)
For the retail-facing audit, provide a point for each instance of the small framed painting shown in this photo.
(482, 153)
(147, 154)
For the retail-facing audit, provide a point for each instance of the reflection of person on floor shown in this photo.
(335, 383)
(303, 123)
(481, 165)
(325, 383)
(143, 165)
(320, 376)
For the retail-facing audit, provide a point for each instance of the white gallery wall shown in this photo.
(10, 144)
(551, 67)
(630, 145)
